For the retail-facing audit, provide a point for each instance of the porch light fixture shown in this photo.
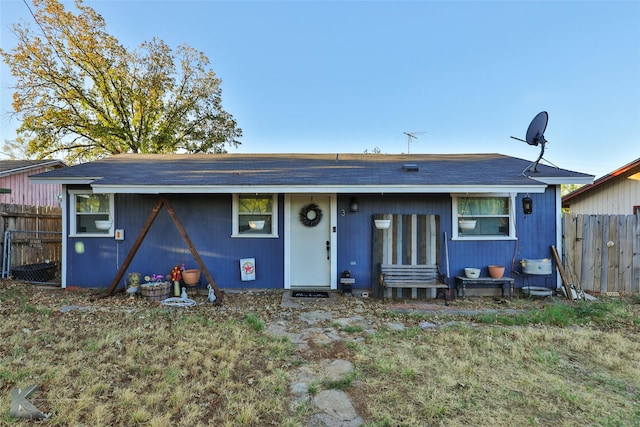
(527, 205)
(353, 205)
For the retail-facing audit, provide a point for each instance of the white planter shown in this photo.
(382, 224)
(103, 224)
(472, 273)
(467, 224)
(256, 225)
(536, 266)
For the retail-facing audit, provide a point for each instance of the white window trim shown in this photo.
(72, 215)
(454, 216)
(236, 226)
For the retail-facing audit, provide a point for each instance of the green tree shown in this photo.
(568, 188)
(81, 95)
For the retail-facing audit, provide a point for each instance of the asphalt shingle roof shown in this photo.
(231, 170)
(8, 167)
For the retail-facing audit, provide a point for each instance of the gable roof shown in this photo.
(624, 172)
(250, 173)
(11, 167)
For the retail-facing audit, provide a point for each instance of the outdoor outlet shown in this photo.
(119, 234)
(352, 263)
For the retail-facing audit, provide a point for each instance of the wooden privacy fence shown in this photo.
(602, 252)
(36, 218)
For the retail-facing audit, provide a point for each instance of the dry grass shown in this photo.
(130, 363)
(117, 365)
(497, 376)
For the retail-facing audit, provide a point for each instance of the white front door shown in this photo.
(309, 247)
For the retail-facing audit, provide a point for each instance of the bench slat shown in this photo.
(418, 285)
(410, 276)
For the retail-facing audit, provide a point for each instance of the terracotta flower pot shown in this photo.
(496, 271)
(191, 277)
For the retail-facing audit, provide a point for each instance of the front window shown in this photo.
(483, 217)
(91, 214)
(255, 215)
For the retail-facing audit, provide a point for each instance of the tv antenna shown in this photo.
(535, 136)
(410, 136)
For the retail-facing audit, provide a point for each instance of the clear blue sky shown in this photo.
(331, 76)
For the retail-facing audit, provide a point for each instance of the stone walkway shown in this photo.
(313, 323)
(316, 323)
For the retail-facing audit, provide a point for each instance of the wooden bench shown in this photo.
(415, 277)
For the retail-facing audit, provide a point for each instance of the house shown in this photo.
(304, 219)
(617, 193)
(14, 176)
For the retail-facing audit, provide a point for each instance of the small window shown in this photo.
(91, 214)
(255, 215)
(483, 217)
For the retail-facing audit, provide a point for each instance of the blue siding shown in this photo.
(94, 262)
(355, 229)
(536, 233)
(207, 221)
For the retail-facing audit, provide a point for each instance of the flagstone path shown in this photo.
(313, 324)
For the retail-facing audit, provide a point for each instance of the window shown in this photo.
(483, 216)
(91, 214)
(255, 215)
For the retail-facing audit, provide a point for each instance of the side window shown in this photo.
(91, 214)
(483, 217)
(255, 215)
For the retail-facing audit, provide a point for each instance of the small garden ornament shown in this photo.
(176, 276)
(212, 295)
(133, 283)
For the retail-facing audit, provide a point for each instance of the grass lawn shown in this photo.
(124, 362)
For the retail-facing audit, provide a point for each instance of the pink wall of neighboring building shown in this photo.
(25, 192)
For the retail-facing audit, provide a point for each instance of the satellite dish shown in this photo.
(535, 132)
(535, 136)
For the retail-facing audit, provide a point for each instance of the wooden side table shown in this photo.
(504, 283)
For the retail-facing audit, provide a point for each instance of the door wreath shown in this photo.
(310, 215)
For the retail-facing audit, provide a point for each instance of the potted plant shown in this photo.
(155, 288)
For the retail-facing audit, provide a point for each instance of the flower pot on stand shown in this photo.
(191, 277)
(496, 271)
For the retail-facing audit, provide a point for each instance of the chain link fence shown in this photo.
(32, 256)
